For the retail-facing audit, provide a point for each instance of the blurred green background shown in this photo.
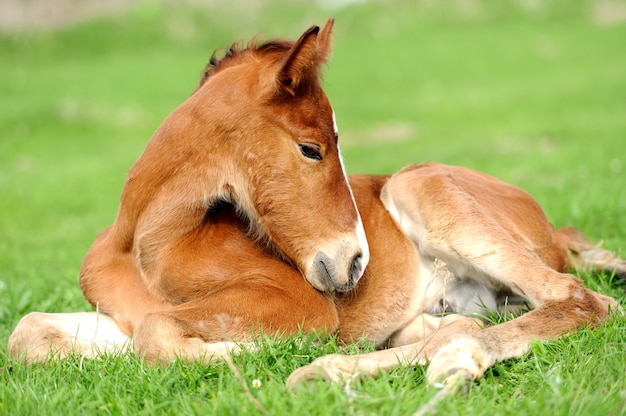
(533, 92)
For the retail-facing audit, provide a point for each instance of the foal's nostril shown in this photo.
(356, 269)
(321, 264)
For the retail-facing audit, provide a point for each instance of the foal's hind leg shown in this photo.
(457, 349)
(496, 234)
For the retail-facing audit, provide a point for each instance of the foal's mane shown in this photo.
(239, 50)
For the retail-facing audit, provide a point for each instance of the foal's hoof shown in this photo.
(335, 368)
(303, 374)
(462, 359)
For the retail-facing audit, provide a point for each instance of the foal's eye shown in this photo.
(311, 151)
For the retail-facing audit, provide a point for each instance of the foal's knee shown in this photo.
(153, 338)
(161, 338)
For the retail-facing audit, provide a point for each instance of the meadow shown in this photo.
(531, 92)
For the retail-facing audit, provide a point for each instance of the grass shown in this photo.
(533, 95)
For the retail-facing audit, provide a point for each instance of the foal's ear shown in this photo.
(325, 42)
(312, 49)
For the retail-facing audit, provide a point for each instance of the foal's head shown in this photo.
(276, 134)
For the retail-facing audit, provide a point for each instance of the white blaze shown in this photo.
(360, 231)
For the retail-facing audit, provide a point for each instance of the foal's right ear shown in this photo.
(304, 57)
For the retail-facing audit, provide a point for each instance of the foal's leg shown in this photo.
(215, 325)
(41, 336)
(456, 347)
(423, 332)
(226, 286)
(496, 234)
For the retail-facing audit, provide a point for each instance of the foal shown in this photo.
(239, 195)
(238, 217)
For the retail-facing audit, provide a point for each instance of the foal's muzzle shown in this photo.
(336, 275)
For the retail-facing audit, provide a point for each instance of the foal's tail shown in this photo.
(586, 256)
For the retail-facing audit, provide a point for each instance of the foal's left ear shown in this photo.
(325, 42)
(312, 49)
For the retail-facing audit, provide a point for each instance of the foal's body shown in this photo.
(238, 218)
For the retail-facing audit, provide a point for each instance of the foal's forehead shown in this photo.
(315, 112)
(309, 109)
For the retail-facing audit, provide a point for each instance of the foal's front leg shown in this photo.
(425, 331)
(226, 319)
(39, 336)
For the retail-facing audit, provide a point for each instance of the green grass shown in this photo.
(535, 97)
